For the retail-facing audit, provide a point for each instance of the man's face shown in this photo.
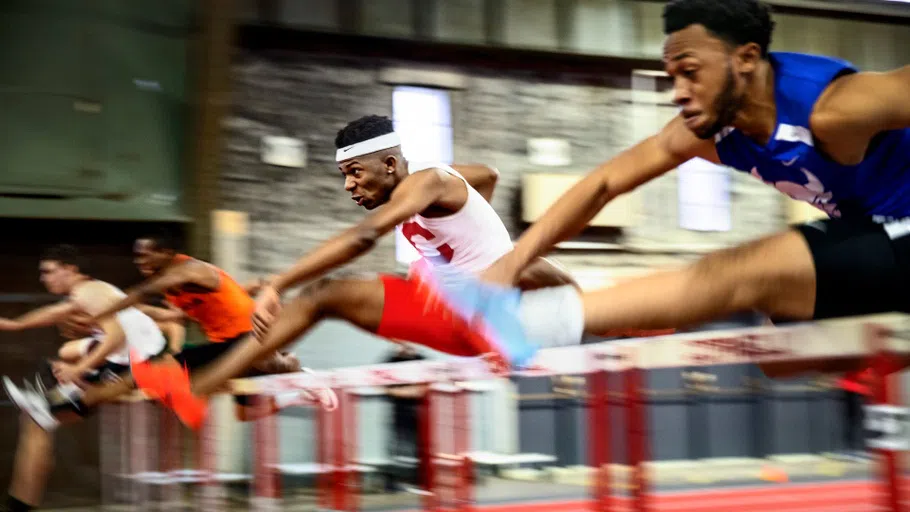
(369, 179)
(707, 79)
(148, 258)
(57, 277)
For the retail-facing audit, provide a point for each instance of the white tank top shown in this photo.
(471, 239)
(142, 334)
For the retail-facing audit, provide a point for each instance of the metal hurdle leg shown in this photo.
(885, 393)
(445, 424)
(170, 444)
(141, 449)
(339, 476)
(210, 493)
(266, 485)
(111, 456)
(599, 436)
(636, 418)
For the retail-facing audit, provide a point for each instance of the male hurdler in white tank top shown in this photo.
(471, 238)
(444, 212)
(129, 334)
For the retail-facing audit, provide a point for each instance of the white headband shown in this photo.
(389, 140)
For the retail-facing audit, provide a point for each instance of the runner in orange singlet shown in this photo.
(207, 295)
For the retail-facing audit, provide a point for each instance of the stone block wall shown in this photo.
(298, 95)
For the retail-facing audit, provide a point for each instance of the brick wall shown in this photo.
(292, 210)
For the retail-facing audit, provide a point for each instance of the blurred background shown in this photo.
(216, 118)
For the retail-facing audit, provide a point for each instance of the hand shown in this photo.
(503, 272)
(268, 304)
(7, 324)
(76, 326)
(65, 372)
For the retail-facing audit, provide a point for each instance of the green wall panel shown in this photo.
(94, 95)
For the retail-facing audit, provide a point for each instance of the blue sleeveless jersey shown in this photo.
(878, 188)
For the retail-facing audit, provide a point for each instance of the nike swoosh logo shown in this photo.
(791, 162)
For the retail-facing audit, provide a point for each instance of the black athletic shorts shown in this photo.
(108, 371)
(198, 356)
(861, 267)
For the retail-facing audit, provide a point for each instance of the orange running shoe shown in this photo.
(148, 379)
(170, 384)
(191, 409)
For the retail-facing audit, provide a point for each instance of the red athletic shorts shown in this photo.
(412, 312)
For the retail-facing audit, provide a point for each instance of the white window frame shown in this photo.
(422, 116)
(703, 196)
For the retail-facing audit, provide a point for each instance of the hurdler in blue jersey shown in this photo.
(813, 127)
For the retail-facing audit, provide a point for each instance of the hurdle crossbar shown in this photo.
(826, 339)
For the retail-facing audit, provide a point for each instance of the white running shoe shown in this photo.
(33, 403)
(323, 397)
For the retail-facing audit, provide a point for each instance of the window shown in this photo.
(423, 118)
(704, 196)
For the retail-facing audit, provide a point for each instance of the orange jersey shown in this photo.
(223, 313)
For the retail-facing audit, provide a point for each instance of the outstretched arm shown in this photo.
(41, 317)
(648, 159)
(186, 273)
(159, 314)
(414, 195)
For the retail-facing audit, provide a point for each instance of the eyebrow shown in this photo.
(682, 56)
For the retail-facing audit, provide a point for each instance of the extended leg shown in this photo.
(358, 301)
(108, 392)
(774, 275)
(33, 463)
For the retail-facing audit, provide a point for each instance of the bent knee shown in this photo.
(70, 352)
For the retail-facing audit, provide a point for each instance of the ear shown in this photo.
(389, 164)
(747, 57)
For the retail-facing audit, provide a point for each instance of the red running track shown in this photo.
(851, 496)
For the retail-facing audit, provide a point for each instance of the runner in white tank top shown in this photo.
(130, 331)
(471, 239)
(143, 337)
(443, 210)
(62, 273)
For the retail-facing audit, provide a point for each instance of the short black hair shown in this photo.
(163, 240)
(365, 128)
(736, 22)
(65, 254)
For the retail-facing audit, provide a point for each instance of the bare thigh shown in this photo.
(358, 301)
(774, 275)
